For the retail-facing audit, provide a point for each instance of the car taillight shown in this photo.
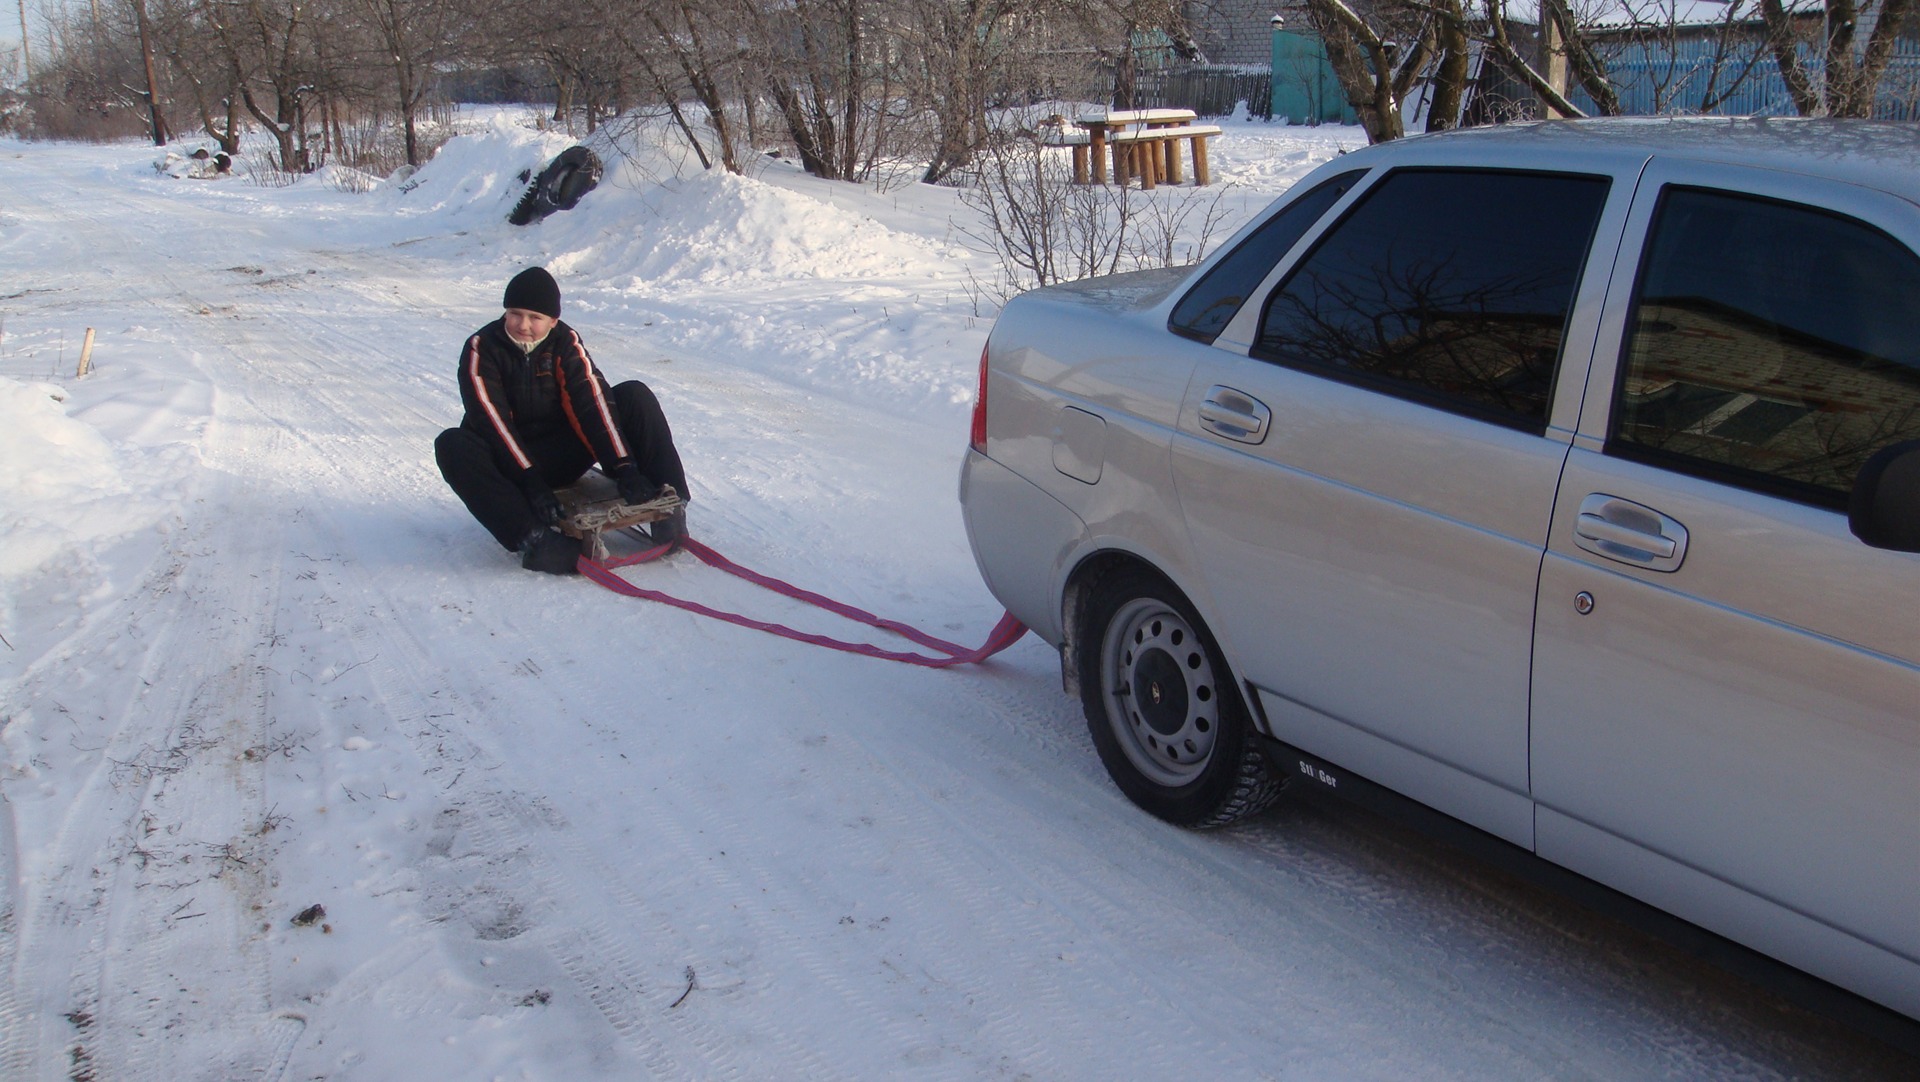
(977, 434)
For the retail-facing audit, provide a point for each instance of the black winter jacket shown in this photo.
(515, 399)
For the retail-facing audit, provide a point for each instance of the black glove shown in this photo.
(540, 499)
(545, 505)
(635, 487)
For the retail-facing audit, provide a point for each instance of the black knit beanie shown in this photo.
(534, 290)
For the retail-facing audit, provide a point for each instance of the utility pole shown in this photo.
(26, 58)
(1553, 56)
(153, 86)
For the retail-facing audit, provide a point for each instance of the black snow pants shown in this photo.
(485, 478)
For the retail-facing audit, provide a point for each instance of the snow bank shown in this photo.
(77, 492)
(717, 228)
(475, 178)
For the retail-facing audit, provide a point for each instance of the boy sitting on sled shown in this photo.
(538, 415)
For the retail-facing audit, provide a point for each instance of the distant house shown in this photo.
(1707, 57)
(1232, 33)
(1662, 57)
(1305, 90)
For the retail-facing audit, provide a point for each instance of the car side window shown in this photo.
(1448, 287)
(1204, 312)
(1772, 345)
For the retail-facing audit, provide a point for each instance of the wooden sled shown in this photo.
(592, 506)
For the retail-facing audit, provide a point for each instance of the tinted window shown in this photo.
(1773, 346)
(1203, 313)
(1451, 287)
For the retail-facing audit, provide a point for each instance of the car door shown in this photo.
(1367, 491)
(1726, 686)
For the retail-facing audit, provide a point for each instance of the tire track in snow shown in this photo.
(630, 978)
(1040, 920)
(16, 1045)
(173, 780)
(608, 969)
(1368, 903)
(624, 955)
(1014, 998)
(502, 835)
(105, 911)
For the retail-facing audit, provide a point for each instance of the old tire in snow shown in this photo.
(570, 175)
(1162, 707)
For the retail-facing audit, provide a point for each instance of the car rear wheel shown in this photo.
(1162, 707)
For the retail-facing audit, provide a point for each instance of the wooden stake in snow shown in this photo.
(86, 355)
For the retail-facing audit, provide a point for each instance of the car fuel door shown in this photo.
(1726, 689)
(1369, 510)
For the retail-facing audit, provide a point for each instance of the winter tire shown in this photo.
(569, 176)
(1162, 707)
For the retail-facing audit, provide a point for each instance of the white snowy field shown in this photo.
(257, 658)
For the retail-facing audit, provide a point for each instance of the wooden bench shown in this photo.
(1144, 145)
(1100, 127)
(1077, 141)
(1153, 154)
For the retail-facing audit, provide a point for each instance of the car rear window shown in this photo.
(1449, 287)
(1773, 346)
(1203, 313)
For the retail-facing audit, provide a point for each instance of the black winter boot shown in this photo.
(550, 551)
(670, 530)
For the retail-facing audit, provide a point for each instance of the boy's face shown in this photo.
(526, 326)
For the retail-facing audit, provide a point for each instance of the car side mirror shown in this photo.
(1884, 510)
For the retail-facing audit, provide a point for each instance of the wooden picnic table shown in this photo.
(1145, 144)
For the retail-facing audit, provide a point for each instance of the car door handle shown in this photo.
(1235, 415)
(1595, 528)
(1629, 532)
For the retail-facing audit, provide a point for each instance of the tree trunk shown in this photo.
(698, 68)
(562, 94)
(850, 103)
(1780, 38)
(153, 86)
(282, 131)
(1585, 65)
(1450, 76)
(1123, 76)
(1879, 50)
(1366, 91)
(797, 129)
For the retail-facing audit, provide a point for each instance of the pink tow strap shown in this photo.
(1007, 632)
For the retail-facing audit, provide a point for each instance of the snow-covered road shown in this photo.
(258, 659)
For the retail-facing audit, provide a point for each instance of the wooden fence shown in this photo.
(1208, 91)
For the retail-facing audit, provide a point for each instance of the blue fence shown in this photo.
(1655, 79)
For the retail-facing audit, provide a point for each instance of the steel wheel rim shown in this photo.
(1161, 695)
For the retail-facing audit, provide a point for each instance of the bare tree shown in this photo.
(691, 47)
(262, 41)
(417, 36)
(1043, 228)
(1113, 29)
(1403, 47)
(1376, 60)
(158, 120)
(820, 57)
(187, 43)
(1847, 80)
(953, 55)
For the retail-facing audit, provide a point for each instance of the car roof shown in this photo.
(1872, 153)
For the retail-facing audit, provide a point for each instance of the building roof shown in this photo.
(1621, 14)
